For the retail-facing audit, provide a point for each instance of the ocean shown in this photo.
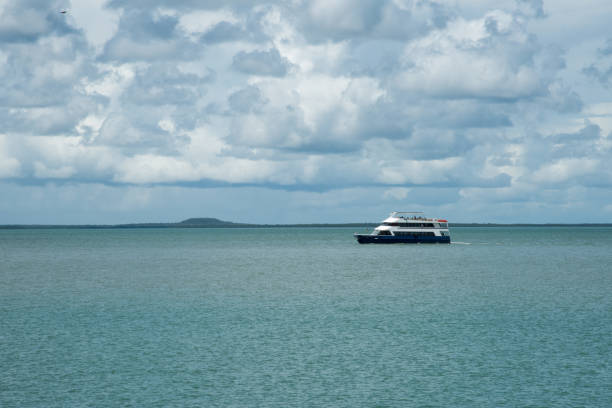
(300, 317)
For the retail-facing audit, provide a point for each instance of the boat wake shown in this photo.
(461, 243)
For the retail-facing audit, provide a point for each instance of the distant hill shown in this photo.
(190, 223)
(207, 222)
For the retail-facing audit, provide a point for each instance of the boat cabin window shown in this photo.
(384, 233)
(444, 225)
(414, 233)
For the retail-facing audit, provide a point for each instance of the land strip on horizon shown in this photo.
(216, 223)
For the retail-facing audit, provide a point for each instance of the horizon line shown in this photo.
(216, 223)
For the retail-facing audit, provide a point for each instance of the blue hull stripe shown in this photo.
(392, 239)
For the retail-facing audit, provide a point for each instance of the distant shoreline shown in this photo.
(216, 223)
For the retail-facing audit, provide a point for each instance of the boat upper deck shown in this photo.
(404, 218)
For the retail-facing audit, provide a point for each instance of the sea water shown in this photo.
(283, 317)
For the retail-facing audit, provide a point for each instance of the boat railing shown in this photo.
(413, 217)
(396, 214)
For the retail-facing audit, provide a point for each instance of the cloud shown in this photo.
(247, 100)
(587, 134)
(533, 8)
(565, 169)
(162, 84)
(606, 49)
(563, 98)
(340, 20)
(147, 36)
(29, 20)
(265, 63)
(602, 75)
(43, 73)
(489, 58)
(224, 32)
(320, 102)
(139, 133)
(182, 5)
(601, 69)
(44, 63)
(9, 166)
(53, 119)
(567, 159)
(396, 193)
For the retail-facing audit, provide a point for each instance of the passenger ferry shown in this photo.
(409, 228)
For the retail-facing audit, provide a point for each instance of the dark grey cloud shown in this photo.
(224, 32)
(29, 20)
(45, 63)
(601, 70)
(164, 84)
(139, 133)
(277, 127)
(463, 114)
(250, 28)
(318, 20)
(39, 71)
(423, 144)
(157, 93)
(158, 110)
(247, 100)
(403, 25)
(587, 134)
(51, 120)
(184, 5)
(148, 36)
(601, 75)
(607, 48)
(447, 144)
(34, 83)
(375, 58)
(266, 63)
(562, 98)
(382, 119)
(339, 20)
(144, 25)
(322, 21)
(583, 143)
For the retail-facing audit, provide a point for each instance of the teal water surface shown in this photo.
(503, 317)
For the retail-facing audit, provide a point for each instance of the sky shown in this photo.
(305, 111)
